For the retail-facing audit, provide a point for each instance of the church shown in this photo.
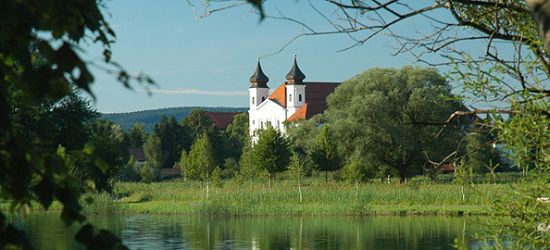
(291, 101)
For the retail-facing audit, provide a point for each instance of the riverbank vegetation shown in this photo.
(282, 197)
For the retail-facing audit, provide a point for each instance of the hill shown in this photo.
(152, 117)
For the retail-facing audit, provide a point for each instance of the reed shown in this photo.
(319, 198)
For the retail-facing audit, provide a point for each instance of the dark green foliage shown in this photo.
(480, 154)
(200, 162)
(151, 117)
(324, 153)
(130, 171)
(379, 115)
(152, 148)
(271, 152)
(236, 136)
(173, 138)
(104, 155)
(137, 135)
(40, 66)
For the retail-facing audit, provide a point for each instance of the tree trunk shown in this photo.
(463, 194)
(326, 176)
(300, 190)
(356, 190)
(207, 189)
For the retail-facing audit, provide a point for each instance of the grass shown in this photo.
(319, 198)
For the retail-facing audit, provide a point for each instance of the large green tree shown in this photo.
(104, 156)
(271, 152)
(378, 114)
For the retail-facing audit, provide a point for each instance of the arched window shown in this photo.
(290, 97)
(263, 98)
(300, 97)
(252, 100)
(262, 125)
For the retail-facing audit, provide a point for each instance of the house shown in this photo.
(138, 155)
(293, 100)
(221, 119)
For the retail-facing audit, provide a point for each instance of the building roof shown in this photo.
(279, 95)
(316, 98)
(222, 119)
(169, 172)
(137, 153)
(259, 79)
(295, 75)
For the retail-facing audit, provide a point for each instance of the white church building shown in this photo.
(293, 100)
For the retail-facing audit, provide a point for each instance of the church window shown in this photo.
(300, 97)
(253, 122)
(252, 100)
(290, 97)
(262, 125)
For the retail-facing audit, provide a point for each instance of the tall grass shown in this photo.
(319, 198)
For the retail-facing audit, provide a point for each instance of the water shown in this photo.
(188, 232)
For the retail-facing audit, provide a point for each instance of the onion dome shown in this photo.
(259, 79)
(295, 75)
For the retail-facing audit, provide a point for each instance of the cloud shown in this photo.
(190, 91)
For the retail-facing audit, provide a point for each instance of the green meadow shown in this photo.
(282, 198)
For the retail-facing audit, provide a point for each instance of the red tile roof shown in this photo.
(279, 95)
(316, 100)
(221, 119)
(300, 114)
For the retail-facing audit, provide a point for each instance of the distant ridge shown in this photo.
(153, 116)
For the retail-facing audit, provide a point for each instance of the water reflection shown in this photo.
(187, 232)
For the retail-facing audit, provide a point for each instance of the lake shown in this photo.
(189, 232)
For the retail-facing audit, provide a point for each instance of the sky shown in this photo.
(208, 61)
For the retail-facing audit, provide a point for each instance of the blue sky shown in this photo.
(207, 62)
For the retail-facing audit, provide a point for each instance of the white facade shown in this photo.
(268, 113)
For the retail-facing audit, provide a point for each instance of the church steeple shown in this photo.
(259, 79)
(295, 75)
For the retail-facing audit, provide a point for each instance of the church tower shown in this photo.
(258, 93)
(258, 90)
(295, 89)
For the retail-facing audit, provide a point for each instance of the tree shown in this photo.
(271, 152)
(173, 138)
(236, 136)
(150, 171)
(200, 162)
(197, 123)
(481, 154)
(137, 135)
(103, 157)
(355, 171)
(247, 168)
(297, 170)
(324, 152)
(38, 55)
(375, 114)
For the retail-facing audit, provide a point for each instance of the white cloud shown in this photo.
(191, 91)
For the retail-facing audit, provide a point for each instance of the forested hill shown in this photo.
(151, 117)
